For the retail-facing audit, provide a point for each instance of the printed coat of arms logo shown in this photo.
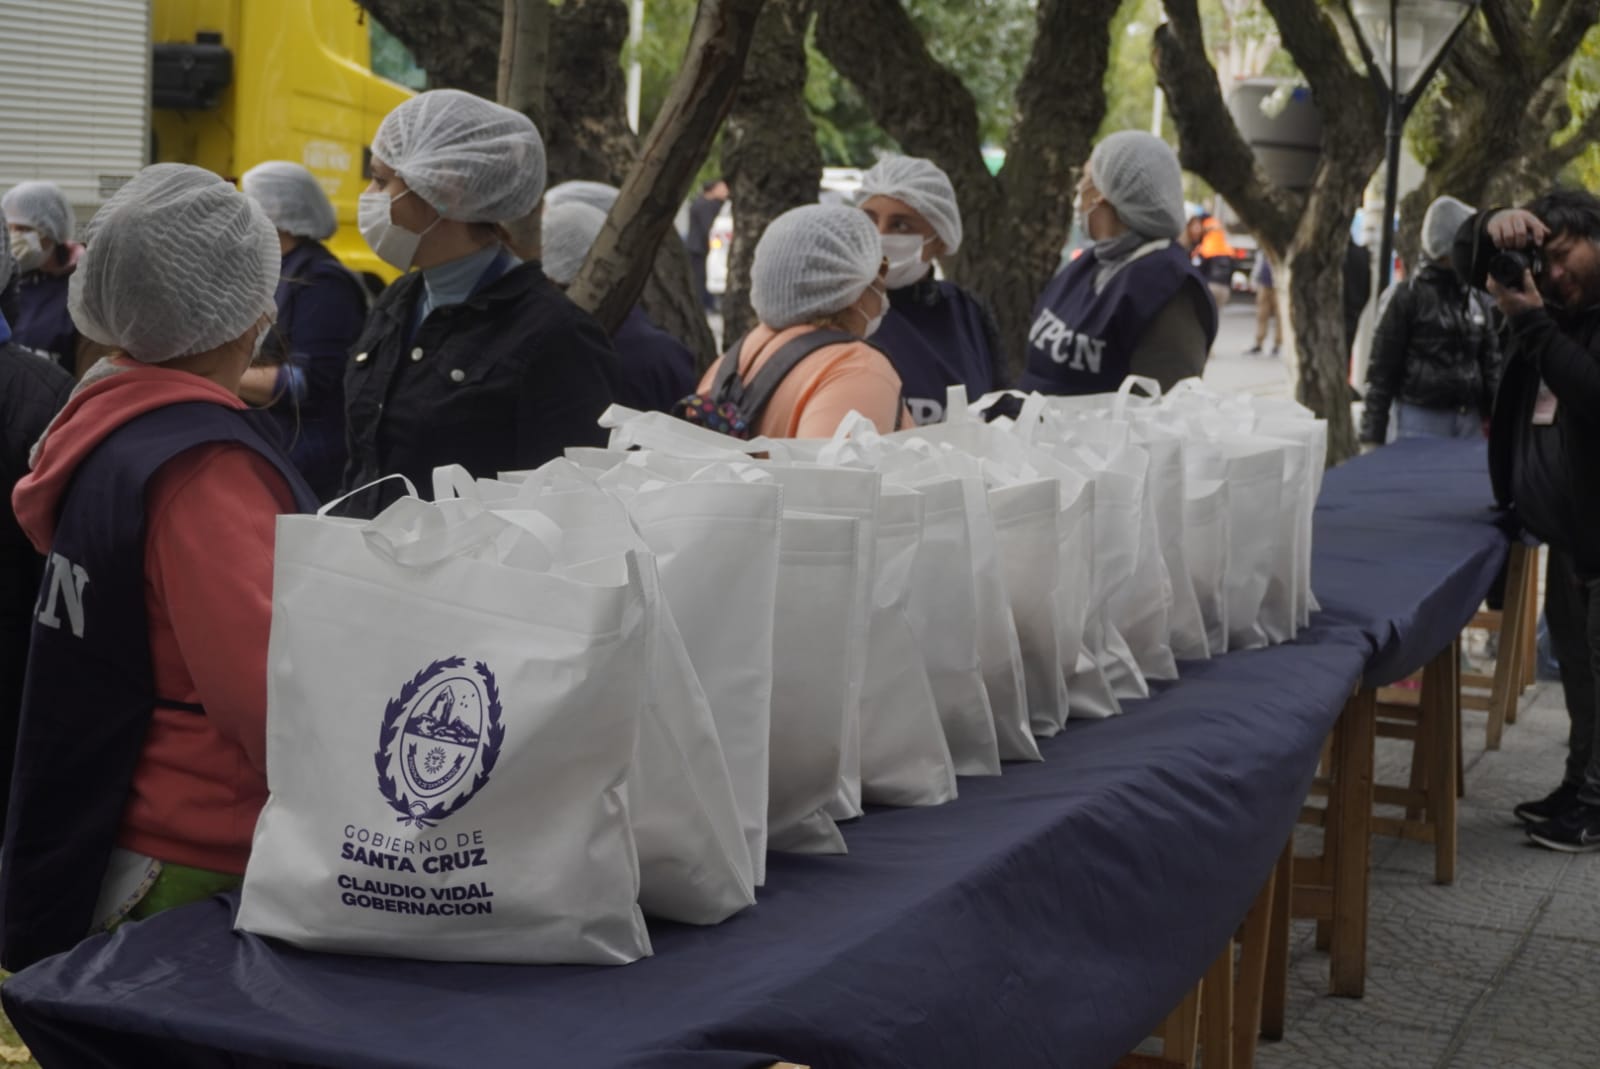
(440, 739)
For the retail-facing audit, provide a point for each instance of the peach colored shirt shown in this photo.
(822, 390)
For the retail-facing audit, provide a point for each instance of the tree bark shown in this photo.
(1308, 233)
(615, 273)
(458, 46)
(524, 55)
(589, 137)
(1504, 101)
(769, 150)
(1016, 222)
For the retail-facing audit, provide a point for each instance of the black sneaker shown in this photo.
(1577, 831)
(1549, 807)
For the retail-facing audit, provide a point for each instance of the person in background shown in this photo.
(654, 371)
(40, 223)
(474, 358)
(1132, 304)
(817, 268)
(1215, 258)
(32, 391)
(936, 334)
(703, 214)
(1544, 460)
(321, 309)
(1268, 314)
(155, 494)
(1435, 361)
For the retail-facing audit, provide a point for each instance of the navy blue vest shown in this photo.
(937, 336)
(1082, 342)
(90, 687)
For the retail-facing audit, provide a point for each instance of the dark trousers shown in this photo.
(1572, 607)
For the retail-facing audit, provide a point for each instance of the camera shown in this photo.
(1507, 266)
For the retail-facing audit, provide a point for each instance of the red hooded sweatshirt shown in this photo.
(210, 516)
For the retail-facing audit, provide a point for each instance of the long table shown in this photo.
(1048, 917)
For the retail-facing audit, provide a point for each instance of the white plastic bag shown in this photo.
(819, 631)
(905, 760)
(1205, 551)
(1028, 540)
(448, 740)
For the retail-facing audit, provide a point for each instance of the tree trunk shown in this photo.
(769, 149)
(1015, 223)
(615, 273)
(457, 46)
(524, 54)
(589, 137)
(1308, 232)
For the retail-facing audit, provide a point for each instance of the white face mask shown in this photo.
(906, 265)
(883, 309)
(393, 243)
(27, 250)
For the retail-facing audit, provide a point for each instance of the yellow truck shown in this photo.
(94, 89)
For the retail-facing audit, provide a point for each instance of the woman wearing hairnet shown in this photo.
(141, 761)
(321, 310)
(817, 268)
(1132, 304)
(654, 370)
(40, 223)
(475, 358)
(936, 334)
(1435, 361)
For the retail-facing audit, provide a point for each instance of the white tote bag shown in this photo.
(716, 546)
(448, 742)
(820, 627)
(851, 493)
(694, 863)
(1028, 540)
(1205, 552)
(905, 760)
(943, 609)
(1253, 470)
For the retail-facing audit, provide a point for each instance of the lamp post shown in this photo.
(1412, 37)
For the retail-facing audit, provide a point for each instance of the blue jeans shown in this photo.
(1414, 421)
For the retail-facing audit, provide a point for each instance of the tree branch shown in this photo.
(1559, 28)
(614, 274)
(1508, 27)
(916, 99)
(1061, 97)
(1319, 53)
(1209, 142)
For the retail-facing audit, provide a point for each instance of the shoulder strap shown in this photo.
(753, 397)
(727, 377)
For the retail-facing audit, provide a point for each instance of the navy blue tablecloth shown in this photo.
(1049, 917)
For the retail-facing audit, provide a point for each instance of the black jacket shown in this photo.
(1549, 475)
(1435, 348)
(32, 390)
(504, 381)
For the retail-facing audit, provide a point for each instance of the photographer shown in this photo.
(1542, 266)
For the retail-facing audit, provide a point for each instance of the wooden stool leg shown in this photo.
(1439, 734)
(1216, 1012)
(1421, 752)
(1180, 1032)
(1352, 832)
(1505, 692)
(1275, 985)
(1530, 632)
(1254, 937)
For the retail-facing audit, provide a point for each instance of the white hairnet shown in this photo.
(292, 198)
(923, 188)
(812, 262)
(42, 206)
(1444, 217)
(470, 159)
(595, 194)
(179, 262)
(1138, 173)
(570, 228)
